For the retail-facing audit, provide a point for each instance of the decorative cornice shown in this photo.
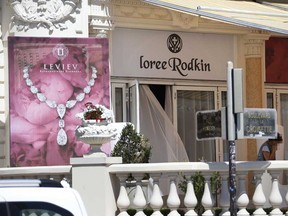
(107, 14)
(185, 21)
(254, 43)
(47, 14)
(120, 12)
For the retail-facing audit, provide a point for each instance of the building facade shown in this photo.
(166, 63)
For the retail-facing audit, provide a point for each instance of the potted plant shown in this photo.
(133, 147)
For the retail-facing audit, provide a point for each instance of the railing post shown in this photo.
(207, 200)
(91, 178)
(123, 200)
(242, 199)
(190, 199)
(156, 201)
(173, 200)
(139, 200)
(224, 196)
(275, 197)
(259, 196)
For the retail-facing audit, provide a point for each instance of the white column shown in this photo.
(123, 201)
(259, 196)
(91, 178)
(173, 200)
(190, 199)
(207, 200)
(224, 199)
(242, 198)
(156, 201)
(139, 200)
(275, 197)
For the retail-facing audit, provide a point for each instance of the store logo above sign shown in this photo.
(174, 43)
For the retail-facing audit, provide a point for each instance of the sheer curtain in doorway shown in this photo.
(166, 143)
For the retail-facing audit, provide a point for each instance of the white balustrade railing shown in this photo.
(162, 190)
(265, 175)
(56, 173)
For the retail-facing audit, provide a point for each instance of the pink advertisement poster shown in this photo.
(50, 80)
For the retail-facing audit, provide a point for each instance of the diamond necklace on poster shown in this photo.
(61, 108)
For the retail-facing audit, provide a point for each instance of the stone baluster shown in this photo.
(224, 199)
(139, 200)
(190, 199)
(242, 198)
(173, 200)
(258, 196)
(156, 201)
(123, 201)
(286, 196)
(207, 200)
(275, 197)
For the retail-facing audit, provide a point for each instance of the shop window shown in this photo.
(188, 103)
(277, 98)
(119, 101)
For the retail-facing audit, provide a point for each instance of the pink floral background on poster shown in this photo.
(43, 74)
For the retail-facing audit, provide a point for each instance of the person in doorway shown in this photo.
(268, 149)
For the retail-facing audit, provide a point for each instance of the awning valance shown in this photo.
(265, 15)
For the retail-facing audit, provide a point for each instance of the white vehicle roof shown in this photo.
(31, 191)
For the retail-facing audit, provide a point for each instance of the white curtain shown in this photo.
(165, 141)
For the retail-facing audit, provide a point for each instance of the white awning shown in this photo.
(263, 14)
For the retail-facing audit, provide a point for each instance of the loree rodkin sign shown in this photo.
(170, 55)
(254, 123)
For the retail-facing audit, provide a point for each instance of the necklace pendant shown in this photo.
(62, 137)
(61, 110)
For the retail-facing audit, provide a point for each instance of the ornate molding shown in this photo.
(42, 13)
(254, 43)
(184, 21)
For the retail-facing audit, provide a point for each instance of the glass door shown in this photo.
(190, 100)
(119, 101)
(133, 104)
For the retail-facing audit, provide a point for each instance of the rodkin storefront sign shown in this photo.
(163, 54)
(254, 123)
(174, 45)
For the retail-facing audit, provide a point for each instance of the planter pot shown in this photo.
(95, 122)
